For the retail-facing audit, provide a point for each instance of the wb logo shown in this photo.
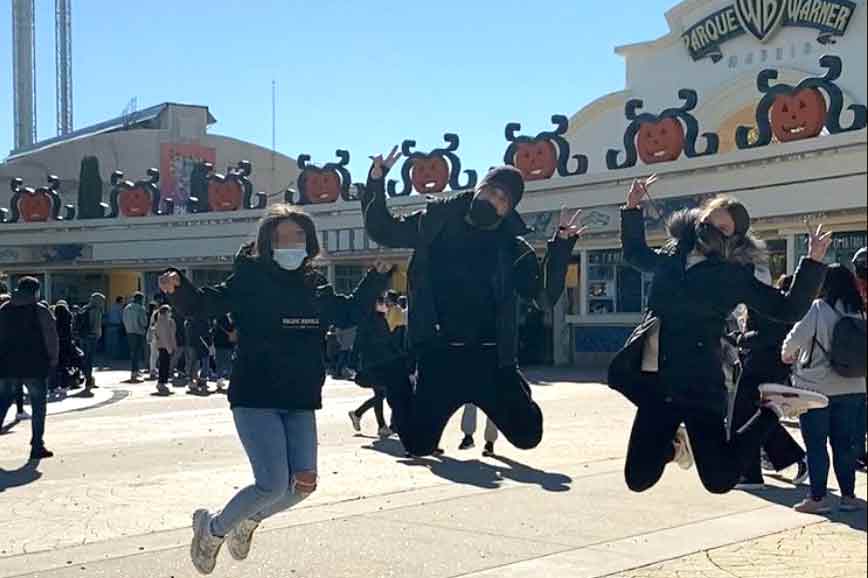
(760, 17)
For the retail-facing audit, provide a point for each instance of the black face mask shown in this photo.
(711, 242)
(483, 214)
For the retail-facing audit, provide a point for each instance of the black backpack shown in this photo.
(847, 355)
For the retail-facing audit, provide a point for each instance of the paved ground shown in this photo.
(116, 501)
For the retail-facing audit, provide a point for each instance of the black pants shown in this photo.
(19, 400)
(163, 363)
(451, 376)
(719, 461)
(375, 402)
(780, 447)
(137, 351)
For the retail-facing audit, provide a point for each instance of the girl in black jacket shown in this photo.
(281, 307)
(671, 366)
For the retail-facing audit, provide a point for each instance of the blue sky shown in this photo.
(355, 75)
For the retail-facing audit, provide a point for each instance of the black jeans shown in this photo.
(375, 402)
(37, 390)
(780, 447)
(720, 462)
(163, 368)
(137, 351)
(19, 400)
(450, 377)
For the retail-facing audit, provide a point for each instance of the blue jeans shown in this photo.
(37, 390)
(842, 424)
(224, 362)
(279, 444)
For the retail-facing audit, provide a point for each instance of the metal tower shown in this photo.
(24, 71)
(63, 57)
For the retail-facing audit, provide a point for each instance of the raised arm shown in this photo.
(380, 224)
(349, 310)
(545, 284)
(192, 301)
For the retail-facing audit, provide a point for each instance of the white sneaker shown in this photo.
(790, 402)
(683, 451)
(385, 432)
(357, 421)
(205, 545)
(22, 416)
(239, 539)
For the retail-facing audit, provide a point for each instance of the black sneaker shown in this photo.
(488, 452)
(437, 452)
(467, 443)
(40, 453)
(748, 485)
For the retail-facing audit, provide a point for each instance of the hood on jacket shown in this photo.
(459, 204)
(97, 300)
(681, 227)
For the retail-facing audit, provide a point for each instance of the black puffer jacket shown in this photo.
(691, 306)
(517, 272)
(281, 318)
(376, 344)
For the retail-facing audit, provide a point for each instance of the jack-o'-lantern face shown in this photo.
(225, 196)
(429, 174)
(536, 159)
(798, 116)
(321, 186)
(135, 202)
(34, 206)
(661, 141)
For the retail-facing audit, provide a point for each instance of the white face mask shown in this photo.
(289, 259)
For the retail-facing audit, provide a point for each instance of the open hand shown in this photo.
(639, 190)
(381, 166)
(818, 243)
(382, 267)
(567, 227)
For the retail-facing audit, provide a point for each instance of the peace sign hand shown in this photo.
(818, 243)
(381, 166)
(567, 228)
(639, 190)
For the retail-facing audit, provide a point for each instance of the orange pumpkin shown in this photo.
(799, 115)
(134, 202)
(661, 141)
(34, 206)
(224, 196)
(429, 174)
(536, 160)
(321, 186)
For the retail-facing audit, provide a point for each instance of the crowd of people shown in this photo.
(722, 359)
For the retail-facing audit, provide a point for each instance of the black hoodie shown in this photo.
(281, 317)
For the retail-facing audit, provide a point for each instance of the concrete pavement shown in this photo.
(117, 499)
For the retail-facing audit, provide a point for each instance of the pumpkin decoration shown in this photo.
(539, 157)
(661, 141)
(223, 193)
(789, 113)
(322, 185)
(39, 205)
(661, 138)
(139, 199)
(431, 172)
(799, 115)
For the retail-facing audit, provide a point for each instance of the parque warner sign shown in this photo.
(762, 18)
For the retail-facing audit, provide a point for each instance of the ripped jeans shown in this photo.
(279, 444)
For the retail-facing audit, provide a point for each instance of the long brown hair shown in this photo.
(264, 246)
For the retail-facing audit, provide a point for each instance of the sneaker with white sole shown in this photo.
(385, 432)
(205, 545)
(683, 451)
(811, 506)
(240, 538)
(746, 485)
(801, 475)
(357, 421)
(790, 402)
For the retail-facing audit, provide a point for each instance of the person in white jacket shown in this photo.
(808, 347)
(164, 337)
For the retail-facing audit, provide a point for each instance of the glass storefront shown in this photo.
(613, 286)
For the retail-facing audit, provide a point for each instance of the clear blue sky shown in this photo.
(357, 75)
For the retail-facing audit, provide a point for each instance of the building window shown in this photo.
(347, 277)
(614, 287)
(844, 246)
(777, 249)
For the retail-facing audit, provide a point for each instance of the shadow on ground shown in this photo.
(474, 472)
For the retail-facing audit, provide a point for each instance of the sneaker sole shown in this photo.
(786, 394)
(200, 518)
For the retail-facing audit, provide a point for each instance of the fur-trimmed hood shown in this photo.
(681, 227)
